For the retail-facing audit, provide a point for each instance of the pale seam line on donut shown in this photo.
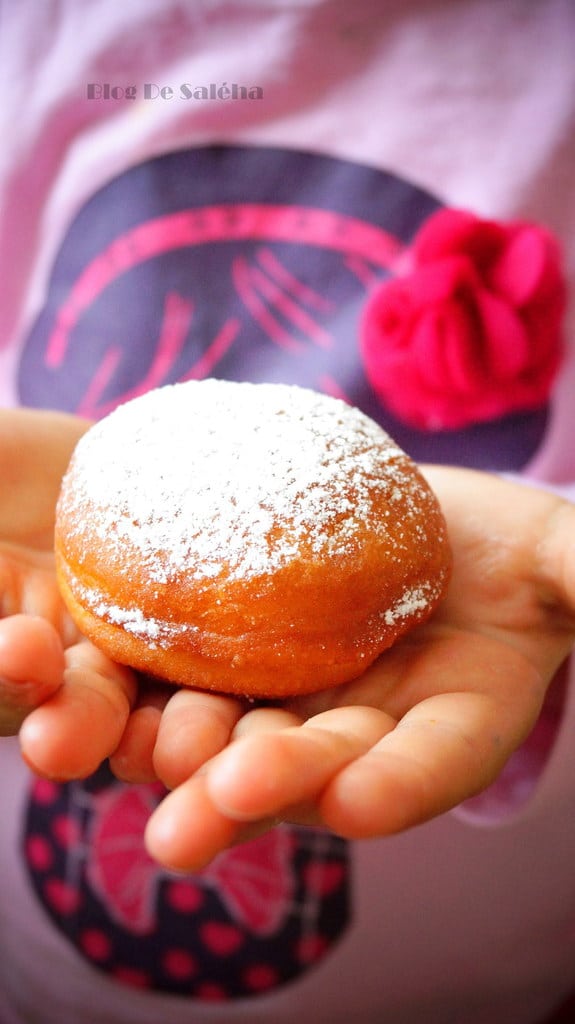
(132, 620)
(159, 632)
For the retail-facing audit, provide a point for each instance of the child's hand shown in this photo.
(82, 699)
(430, 724)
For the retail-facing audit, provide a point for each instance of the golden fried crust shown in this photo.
(278, 566)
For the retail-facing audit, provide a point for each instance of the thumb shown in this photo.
(31, 668)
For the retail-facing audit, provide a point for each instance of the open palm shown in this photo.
(430, 724)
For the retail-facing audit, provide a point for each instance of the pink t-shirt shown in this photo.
(216, 190)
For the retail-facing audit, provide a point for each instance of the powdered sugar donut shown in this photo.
(257, 539)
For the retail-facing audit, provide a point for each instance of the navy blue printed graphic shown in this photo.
(241, 263)
(258, 916)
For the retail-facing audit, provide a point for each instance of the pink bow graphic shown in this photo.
(254, 880)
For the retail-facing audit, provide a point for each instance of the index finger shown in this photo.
(70, 735)
(31, 668)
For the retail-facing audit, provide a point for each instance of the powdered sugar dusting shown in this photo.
(414, 600)
(218, 478)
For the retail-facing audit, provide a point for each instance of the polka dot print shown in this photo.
(260, 915)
